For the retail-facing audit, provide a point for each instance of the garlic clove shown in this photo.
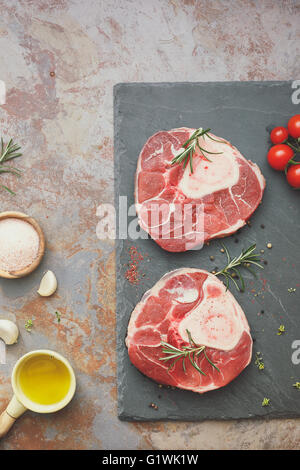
(48, 284)
(9, 331)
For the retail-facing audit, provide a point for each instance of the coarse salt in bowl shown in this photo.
(22, 244)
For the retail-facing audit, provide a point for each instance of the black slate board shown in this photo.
(243, 113)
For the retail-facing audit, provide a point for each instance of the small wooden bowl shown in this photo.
(23, 272)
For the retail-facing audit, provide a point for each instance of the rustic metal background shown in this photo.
(64, 122)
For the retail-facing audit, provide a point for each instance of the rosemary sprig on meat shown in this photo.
(9, 152)
(187, 352)
(245, 259)
(190, 147)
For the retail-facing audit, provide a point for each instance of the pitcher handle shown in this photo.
(9, 416)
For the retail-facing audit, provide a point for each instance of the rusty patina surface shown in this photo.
(59, 60)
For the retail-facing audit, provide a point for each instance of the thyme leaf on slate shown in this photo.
(281, 330)
(259, 361)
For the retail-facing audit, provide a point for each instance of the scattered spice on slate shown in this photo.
(132, 274)
(236, 240)
(265, 262)
(264, 281)
(262, 226)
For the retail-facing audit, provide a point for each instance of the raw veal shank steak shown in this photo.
(181, 210)
(197, 301)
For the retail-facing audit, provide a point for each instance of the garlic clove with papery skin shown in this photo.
(9, 331)
(48, 284)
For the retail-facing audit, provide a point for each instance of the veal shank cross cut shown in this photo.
(182, 209)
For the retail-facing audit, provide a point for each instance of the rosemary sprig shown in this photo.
(187, 352)
(245, 259)
(190, 147)
(9, 152)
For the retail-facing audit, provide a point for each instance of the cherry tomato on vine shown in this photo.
(279, 135)
(294, 126)
(279, 155)
(293, 176)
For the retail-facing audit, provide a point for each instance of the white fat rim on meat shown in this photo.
(233, 228)
(192, 321)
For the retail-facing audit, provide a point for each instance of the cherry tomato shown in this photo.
(293, 176)
(294, 126)
(279, 155)
(279, 135)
